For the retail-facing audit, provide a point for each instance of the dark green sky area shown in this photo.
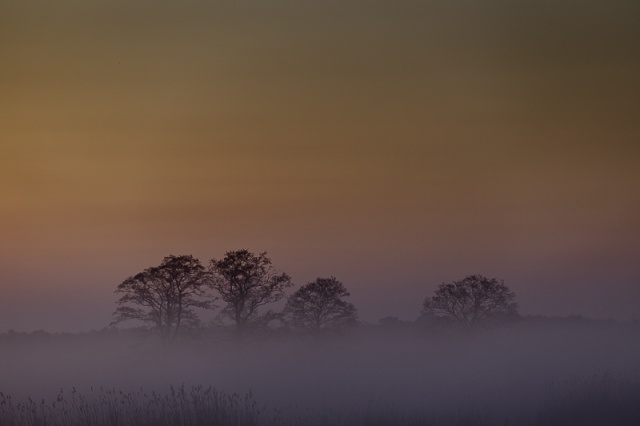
(393, 144)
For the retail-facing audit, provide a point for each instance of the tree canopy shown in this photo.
(165, 296)
(320, 305)
(246, 282)
(473, 300)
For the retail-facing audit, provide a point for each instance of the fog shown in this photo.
(506, 370)
(393, 144)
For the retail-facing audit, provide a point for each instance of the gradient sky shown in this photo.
(392, 144)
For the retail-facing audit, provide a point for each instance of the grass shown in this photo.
(198, 406)
(598, 400)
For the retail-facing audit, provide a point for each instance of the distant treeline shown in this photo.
(390, 324)
(242, 288)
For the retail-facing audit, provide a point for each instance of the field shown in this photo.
(529, 374)
(586, 401)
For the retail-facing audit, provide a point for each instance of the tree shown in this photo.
(471, 301)
(320, 305)
(246, 281)
(165, 296)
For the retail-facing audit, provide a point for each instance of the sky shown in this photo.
(394, 145)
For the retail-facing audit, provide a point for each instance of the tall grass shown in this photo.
(196, 406)
(598, 400)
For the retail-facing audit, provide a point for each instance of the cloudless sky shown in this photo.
(392, 144)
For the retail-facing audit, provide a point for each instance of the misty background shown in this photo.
(508, 369)
(394, 145)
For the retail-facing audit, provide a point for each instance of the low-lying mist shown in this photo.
(505, 369)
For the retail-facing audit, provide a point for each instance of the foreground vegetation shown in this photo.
(586, 401)
(538, 371)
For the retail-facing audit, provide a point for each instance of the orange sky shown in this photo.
(394, 145)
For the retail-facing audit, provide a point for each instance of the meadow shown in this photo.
(586, 401)
(533, 373)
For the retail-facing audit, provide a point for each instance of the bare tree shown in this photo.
(472, 300)
(165, 296)
(246, 282)
(320, 305)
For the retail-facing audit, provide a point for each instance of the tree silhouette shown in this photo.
(165, 295)
(246, 281)
(472, 300)
(319, 305)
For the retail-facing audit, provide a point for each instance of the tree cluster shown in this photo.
(245, 284)
(165, 296)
